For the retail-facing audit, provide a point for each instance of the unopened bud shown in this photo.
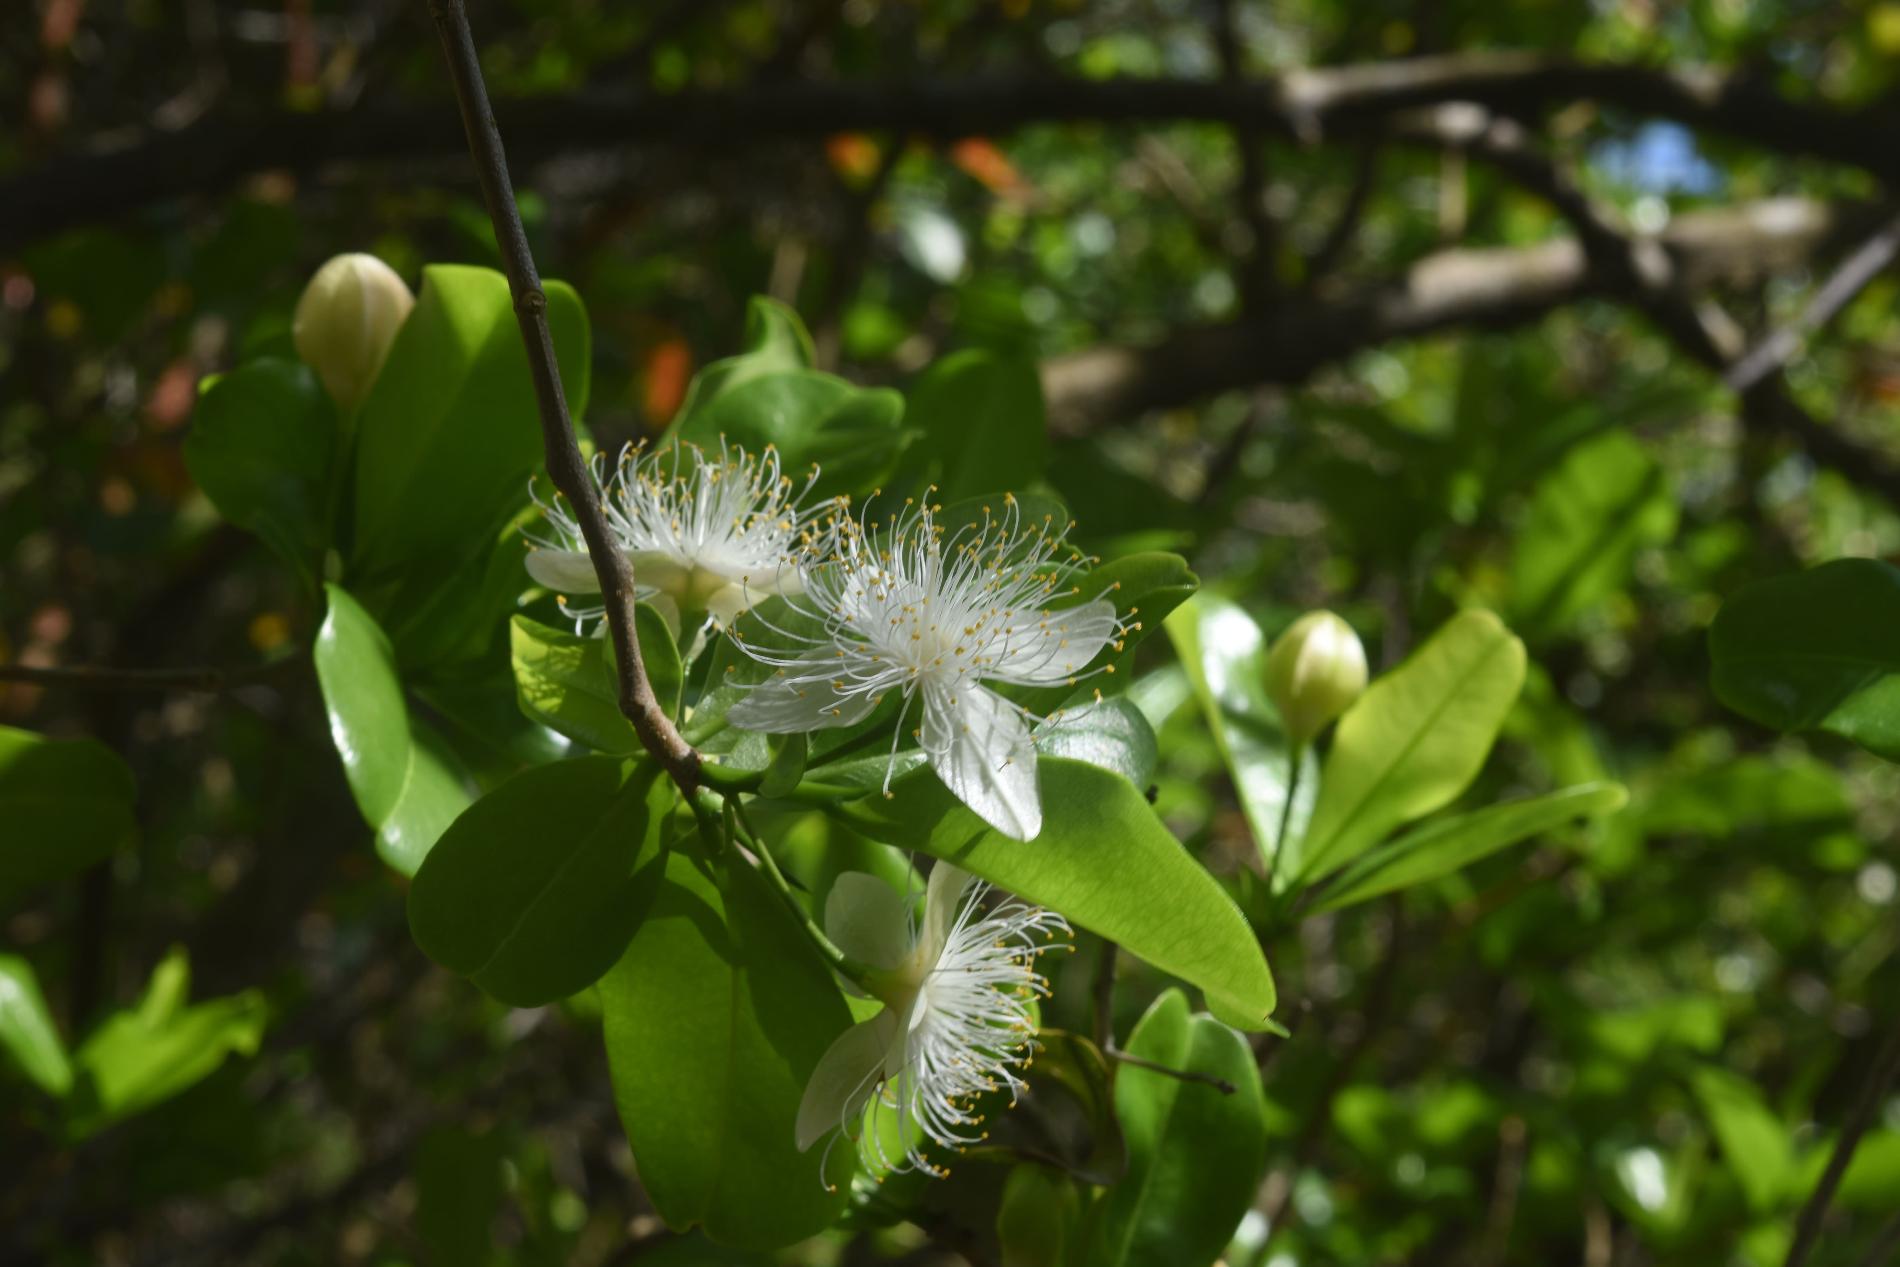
(347, 321)
(1314, 673)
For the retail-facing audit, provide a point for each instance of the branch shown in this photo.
(1808, 1226)
(89, 678)
(566, 467)
(1186, 1075)
(1306, 105)
(1774, 352)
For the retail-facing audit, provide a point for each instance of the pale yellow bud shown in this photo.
(1314, 673)
(347, 321)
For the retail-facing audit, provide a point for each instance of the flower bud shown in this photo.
(347, 321)
(1314, 673)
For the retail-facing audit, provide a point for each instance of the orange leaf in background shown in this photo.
(853, 155)
(668, 368)
(980, 159)
(169, 402)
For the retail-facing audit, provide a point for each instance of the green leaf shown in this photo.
(1224, 653)
(1195, 1155)
(788, 764)
(1415, 739)
(262, 447)
(66, 804)
(1036, 1222)
(982, 421)
(144, 1055)
(853, 434)
(1103, 860)
(404, 777)
(1112, 734)
(1442, 847)
(448, 433)
(27, 1031)
(1816, 650)
(1587, 520)
(1758, 1147)
(714, 1019)
(567, 680)
(533, 892)
(775, 339)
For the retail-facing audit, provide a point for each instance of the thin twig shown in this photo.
(566, 467)
(1808, 1226)
(1886, 1246)
(93, 678)
(1780, 346)
(1186, 1075)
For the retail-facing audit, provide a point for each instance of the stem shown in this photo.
(1186, 1075)
(566, 467)
(1807, 1227)
(209, 681)
(741, 828)
(1294, 755)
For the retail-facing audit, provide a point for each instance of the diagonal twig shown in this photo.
(1807, 1227)
(566, 467)
(1780, 346)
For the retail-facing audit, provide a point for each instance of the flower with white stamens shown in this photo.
(958, 1022)
(898, 607)
(706, 533)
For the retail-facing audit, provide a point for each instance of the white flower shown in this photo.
(958, 1021)
(701, 531)
(899, 608)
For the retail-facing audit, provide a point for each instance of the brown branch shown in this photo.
(157, 165)
(92, 678)
(1773, 353)
(1807, 1226)
(1185, 1075)
(1258, 279)
(566, 467)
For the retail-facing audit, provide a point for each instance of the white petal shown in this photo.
(845, 1077)
(1042, 647)
(728, 602)
(564, 571)
(980, 747)
(789, 703)
(866, 919)
(941, 899)
(657, 570)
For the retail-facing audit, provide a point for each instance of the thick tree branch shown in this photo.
(566, 467)
(142, 168)
(1488, 288)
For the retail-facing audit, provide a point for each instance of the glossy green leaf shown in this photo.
(1103, 860)
(1587, 520)
(533, 892)
(448, 433)
(146, 1054)
(852, 434)
(1446, 845)
(405, 779)
(1756, 1145)
(714, 1019)
(775, 340)
(982, 422)
(1415, 739)
(263, 447)
(1112, 734)
(567, 681)
(1037, 1219)
(27, 1031)
(1224, 653)
(1195, 1155)
(1817, 650)
(66, 804)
